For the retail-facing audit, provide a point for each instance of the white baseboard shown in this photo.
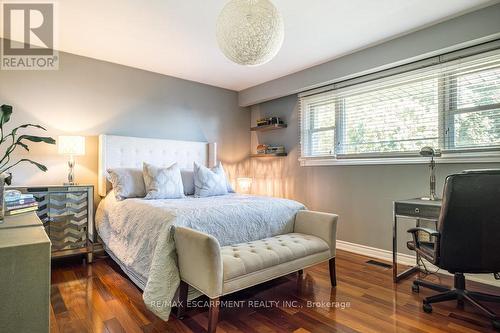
(406, 259)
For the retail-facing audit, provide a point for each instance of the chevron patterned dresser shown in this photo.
(67, 213)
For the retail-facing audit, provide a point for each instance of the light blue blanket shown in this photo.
(139, 233)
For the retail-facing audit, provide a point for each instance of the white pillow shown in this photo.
(188, 180)
(127, 183)
(209, 182)
(163, 183)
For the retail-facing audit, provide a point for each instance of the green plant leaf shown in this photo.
(6, 112)
(40, 166)
(14, 131)
(34, 138)
(25, 146)
(32, 125)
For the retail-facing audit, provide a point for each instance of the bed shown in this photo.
(138, 233)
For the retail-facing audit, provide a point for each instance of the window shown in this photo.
(320, 126)
(476, 118)
(454, 106)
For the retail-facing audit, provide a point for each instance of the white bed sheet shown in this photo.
(138, 233)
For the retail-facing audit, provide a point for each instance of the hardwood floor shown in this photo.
(100, 298)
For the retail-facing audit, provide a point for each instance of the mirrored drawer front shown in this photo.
(65, 217)
(422, 211)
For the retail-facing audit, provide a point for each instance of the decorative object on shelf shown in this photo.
(261, 149)
(431, 152)
(244, 184)
(269, 151)
(67, 213)
(270, 121)
(12, 141)
(275, 149)
(250, 32)
(268, 124)
(71, 145)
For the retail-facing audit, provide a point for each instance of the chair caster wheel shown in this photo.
(415, 288)
(496, 324)
(427, 308)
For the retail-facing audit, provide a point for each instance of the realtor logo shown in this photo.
(28, 37)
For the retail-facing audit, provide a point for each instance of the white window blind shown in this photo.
(454, 106)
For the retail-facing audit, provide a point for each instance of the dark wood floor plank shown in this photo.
(114, 326)
(56, 300)
(100, 298)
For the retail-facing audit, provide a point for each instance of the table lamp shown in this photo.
(431, 152)
(244, 184)
(71, 145)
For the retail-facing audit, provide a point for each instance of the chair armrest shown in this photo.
(429, 231)
(199, 260)
(321, 225)
(430, 255)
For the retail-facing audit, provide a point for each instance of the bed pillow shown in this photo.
(163, 183)
(209, 182)
(127, 183)
(188, 181)
(220, 169)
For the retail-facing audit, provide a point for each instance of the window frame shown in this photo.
(447, 110)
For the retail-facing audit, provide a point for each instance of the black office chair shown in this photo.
(467, 239)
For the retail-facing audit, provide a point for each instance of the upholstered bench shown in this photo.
(216, 271)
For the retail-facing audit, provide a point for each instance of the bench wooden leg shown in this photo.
(333, 274)
(183, 295)
(213, 315)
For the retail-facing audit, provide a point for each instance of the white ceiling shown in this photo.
(177, 37)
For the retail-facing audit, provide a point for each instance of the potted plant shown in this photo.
(9, 141)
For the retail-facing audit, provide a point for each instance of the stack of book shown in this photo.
(20, 203)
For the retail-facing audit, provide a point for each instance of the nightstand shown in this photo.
(67, 214)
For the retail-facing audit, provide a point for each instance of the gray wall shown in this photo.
(361, 195)
(90, 97)
(469, 29)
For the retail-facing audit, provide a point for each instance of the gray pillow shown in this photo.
(127, 183)
(188, 181)
(163, 183)
(209, 182)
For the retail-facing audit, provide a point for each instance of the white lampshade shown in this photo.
(244, 184)
(71, 145)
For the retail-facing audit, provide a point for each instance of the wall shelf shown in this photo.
(265, 128)
(269, 155)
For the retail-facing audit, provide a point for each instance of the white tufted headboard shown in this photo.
(130, 152)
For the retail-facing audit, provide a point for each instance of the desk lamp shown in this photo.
(431, 152)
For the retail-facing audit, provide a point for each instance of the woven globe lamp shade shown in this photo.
(250, 32)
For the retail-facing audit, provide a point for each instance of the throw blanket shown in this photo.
(139, 233)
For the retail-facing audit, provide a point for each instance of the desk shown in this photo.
(417, 209)
(24, 275)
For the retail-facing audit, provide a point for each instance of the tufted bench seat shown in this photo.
(218, 271)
